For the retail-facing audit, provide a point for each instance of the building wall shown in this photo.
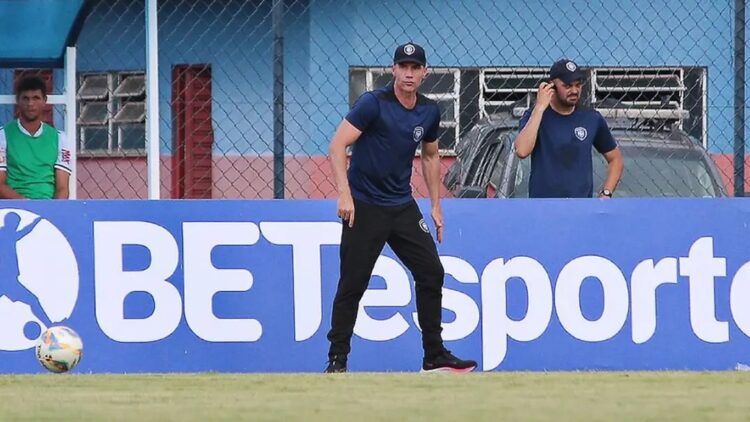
(324, 37)
(233, 177)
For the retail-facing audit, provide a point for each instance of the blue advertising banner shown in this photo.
(247, 286)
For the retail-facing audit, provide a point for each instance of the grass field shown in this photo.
(393, 397)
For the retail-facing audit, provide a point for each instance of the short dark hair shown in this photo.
(31, 83)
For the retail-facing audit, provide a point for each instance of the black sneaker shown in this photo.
(446, 362)
(336, 364)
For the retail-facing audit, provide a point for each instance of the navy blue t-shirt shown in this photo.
(380, 168)
(561, 162)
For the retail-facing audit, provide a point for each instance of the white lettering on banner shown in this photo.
(397, 292)
(461, 304)
(497, 326)
(643, 283)
(306, 238)
(738, 298)
(701, 268)
(113, 283)
(203, 280)
(568, 298)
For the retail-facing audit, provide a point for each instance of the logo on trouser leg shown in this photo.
(423, 226)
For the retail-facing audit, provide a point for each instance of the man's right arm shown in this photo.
(526, 139)
(362, 114)
(346, 135)
(7, 192)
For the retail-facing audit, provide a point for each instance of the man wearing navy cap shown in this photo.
(559, 136)
(384, 128)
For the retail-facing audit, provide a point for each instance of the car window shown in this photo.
(521, 184)
(486, 165)
(496, 177)
(483, 167)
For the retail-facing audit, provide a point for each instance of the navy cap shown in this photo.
(409, 53)
(566, 70)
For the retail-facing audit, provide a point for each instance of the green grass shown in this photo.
(574, 396)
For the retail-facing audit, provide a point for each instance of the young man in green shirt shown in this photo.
(35, 158)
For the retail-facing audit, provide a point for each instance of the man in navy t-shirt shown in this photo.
(559, 135)
(384, 129)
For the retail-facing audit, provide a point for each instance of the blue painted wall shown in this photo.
(325, 37)
(537, 32)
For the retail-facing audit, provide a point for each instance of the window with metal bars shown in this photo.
(111, 113)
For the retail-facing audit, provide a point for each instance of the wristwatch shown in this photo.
(606, 192)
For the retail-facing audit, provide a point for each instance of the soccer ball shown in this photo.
(59, 349)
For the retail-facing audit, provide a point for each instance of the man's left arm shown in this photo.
(606, 145)
(63, 167)
(615, 165)
(431, 174)
(62, 179)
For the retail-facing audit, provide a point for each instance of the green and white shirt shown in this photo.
(30, 160)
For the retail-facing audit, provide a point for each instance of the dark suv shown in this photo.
(661, 160)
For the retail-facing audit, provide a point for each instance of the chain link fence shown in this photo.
(252, 91)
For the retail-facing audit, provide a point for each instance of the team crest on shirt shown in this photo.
(418, 133)
(423, 226)
(581, 133)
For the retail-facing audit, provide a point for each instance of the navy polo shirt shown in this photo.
(380, 168)
(561, 162)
